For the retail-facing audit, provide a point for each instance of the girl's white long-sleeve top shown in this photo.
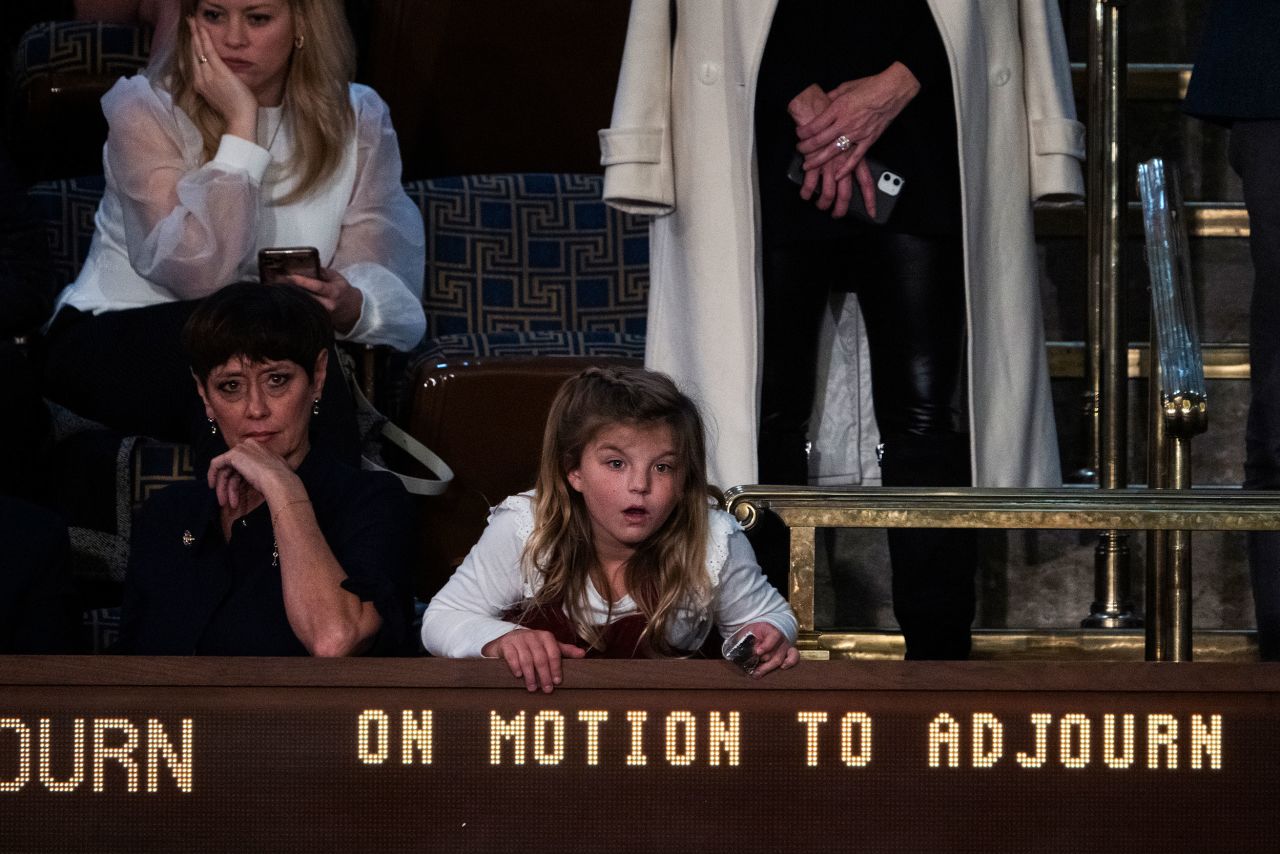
(467, 613)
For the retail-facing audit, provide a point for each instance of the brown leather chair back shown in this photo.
(485, 418)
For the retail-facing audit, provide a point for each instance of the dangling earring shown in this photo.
(315, 407)
(298, 41)
(213, 426)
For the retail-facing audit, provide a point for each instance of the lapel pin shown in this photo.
(187, 539)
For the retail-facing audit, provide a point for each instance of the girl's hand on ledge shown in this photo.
(773, 648)
(532, 655)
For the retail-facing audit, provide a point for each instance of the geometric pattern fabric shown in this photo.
(505, 253)
(66, 209)
(520, 253)
(79, 48)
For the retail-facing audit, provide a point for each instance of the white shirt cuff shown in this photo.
(240, 154)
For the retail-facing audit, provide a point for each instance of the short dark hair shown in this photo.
(257, 322)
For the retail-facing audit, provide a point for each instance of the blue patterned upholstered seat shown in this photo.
(524, 265)
(87, 48)
(66, 209)
(60, 70)
(560, 342)
(529, 253)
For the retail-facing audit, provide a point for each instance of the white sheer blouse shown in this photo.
(170, 228)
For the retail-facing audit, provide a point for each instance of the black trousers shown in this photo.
(126, 370)
(1254, 151)
(911, 291)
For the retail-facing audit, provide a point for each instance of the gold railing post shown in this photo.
(1176, 640)
(1096, 152)
(801, 591)
(1108, 345)
(1157, 478)
(1185, 415)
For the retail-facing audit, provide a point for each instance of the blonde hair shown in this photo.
(667, 571)
(317, 104)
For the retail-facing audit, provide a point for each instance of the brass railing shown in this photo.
(1107, 347)
(805, 509)
(1221, 361)
(1204, 219)
(1178, 405)
(1145, 81)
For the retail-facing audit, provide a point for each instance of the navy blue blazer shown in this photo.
(189, 590)
(1237, 72)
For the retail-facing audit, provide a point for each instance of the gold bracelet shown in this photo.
(289, 504)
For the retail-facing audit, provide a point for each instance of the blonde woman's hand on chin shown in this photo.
(226, 93)
(340, 298)
(532, 655)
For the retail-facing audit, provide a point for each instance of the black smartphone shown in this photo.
(275, 265)
(888, 185)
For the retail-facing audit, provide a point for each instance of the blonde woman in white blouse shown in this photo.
(248, 135)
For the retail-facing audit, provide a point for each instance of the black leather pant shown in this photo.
(911, 291)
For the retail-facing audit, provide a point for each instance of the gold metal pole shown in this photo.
(1157, 478)
(1176, 640)
(1094, 191)
(801, 593)
(1186, 415)
(1112, 607)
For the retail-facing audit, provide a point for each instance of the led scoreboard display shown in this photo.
(129, 754)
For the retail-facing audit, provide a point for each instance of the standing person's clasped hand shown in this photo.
(804, 108)
(856, 115)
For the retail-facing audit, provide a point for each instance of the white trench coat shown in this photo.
(681, 148)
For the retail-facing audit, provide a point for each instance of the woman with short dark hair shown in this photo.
(284, 551)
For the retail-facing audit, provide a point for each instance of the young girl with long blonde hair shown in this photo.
(617, 552)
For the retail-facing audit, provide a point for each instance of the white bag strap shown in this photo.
(411, 446)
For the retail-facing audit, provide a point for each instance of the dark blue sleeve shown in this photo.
(371, 541)
(165, 606)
